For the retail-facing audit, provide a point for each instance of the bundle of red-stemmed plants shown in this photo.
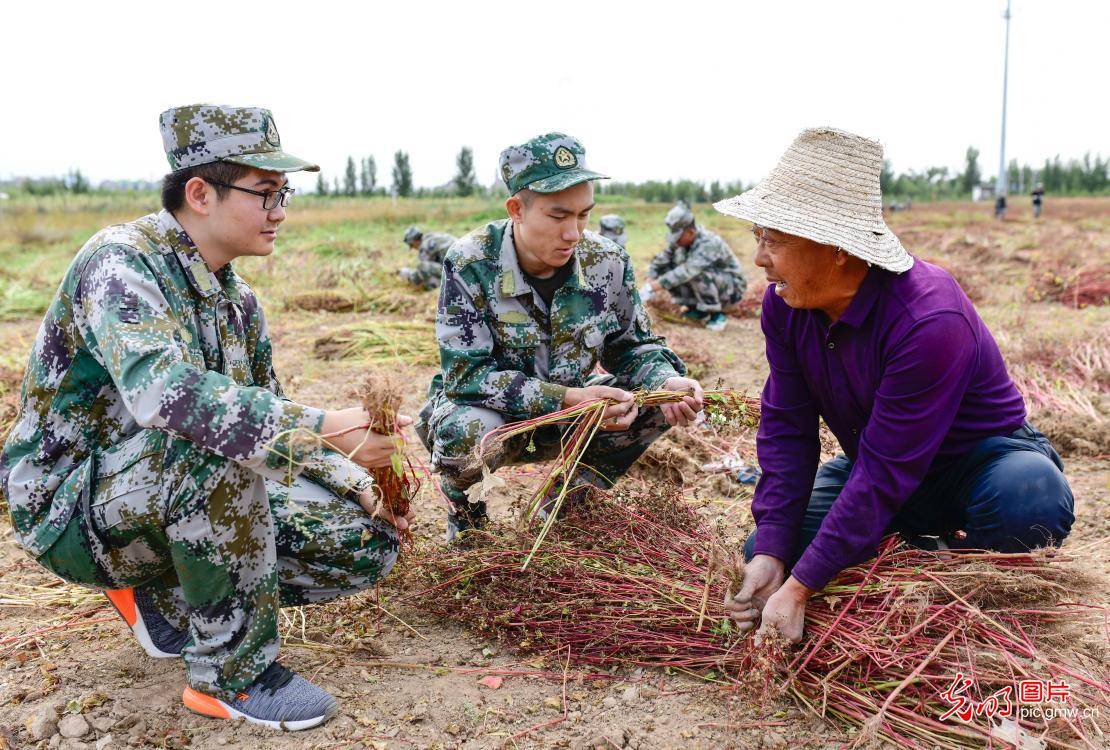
(635, 577)
(579, 425)
(397, 484)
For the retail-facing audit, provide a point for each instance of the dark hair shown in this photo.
(526, 195)
(173, 184)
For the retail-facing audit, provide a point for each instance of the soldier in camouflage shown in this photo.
(155, 455)
(529, 306)
(698, 269)
(431, 249)
(611, 227)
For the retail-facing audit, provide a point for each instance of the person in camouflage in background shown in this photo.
(611, 227)
(529, 306)
(155, 455)
(432, 249)
(698, 269)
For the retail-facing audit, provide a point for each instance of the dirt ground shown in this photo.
(407, 681)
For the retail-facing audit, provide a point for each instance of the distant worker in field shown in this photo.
(890, 353)
(698, 269)
(432, 249)
(1038, 199)
(530, 305)
(611, 227)
(156, 457)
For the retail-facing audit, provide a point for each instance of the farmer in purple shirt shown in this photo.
(890, 352)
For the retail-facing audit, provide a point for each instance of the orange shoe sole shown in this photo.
(207, 705)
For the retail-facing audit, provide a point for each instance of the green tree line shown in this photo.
(1089, 175)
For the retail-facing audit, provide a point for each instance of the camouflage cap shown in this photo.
(204, 133)
(612, 223)
(412, 234)
(546, 164)
(612, 226)
(678, 219)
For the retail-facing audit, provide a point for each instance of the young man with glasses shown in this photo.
(156, 457)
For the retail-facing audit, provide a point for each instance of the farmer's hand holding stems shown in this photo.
(623, 412)
(763, 594)
(347, 431)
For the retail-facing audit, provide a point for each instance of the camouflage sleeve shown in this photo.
(634, 353)
(130, 328)
(702, 257)
(661, 263)
(327, 468)
(466, 349)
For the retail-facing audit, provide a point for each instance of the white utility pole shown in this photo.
(1001, 186)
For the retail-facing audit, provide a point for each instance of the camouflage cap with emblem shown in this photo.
(678, 220)
(204, 133)
(546, 164)
(412, 234)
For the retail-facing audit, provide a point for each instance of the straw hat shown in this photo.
(826, 189)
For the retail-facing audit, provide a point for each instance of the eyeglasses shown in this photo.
(270, 198)
(761, 238)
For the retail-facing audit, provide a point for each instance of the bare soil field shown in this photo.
(406, 680)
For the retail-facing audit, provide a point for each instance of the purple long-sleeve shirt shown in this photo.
(908, 379)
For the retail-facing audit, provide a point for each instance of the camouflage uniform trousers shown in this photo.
(711, 291)
(426, 274)
(218, 547)
(451, 433)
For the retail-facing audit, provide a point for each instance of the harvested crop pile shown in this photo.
(663, 306)
(388, 300)
(1066, 386)
(1074, 287)
(404, 342)
(637, 578)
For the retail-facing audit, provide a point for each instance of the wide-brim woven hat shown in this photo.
(826, 189)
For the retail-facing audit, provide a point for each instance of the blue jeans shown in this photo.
(1007, 494)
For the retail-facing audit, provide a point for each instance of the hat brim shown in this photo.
(763, 207)
(559, 182)
(273, 161)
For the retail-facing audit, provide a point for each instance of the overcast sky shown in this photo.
(703, 90)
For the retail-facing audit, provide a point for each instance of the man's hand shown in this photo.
(655, 285)
(346, 431)
(786, 610)
(685, 411)
(618, 416)
(762, 578)
(368, 499)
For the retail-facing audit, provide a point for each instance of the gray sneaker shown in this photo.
(278, 699)
(153, 632)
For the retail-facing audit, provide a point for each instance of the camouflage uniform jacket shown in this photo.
(434, 247)
(502, 349)
(141, 334)
(678, 265)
